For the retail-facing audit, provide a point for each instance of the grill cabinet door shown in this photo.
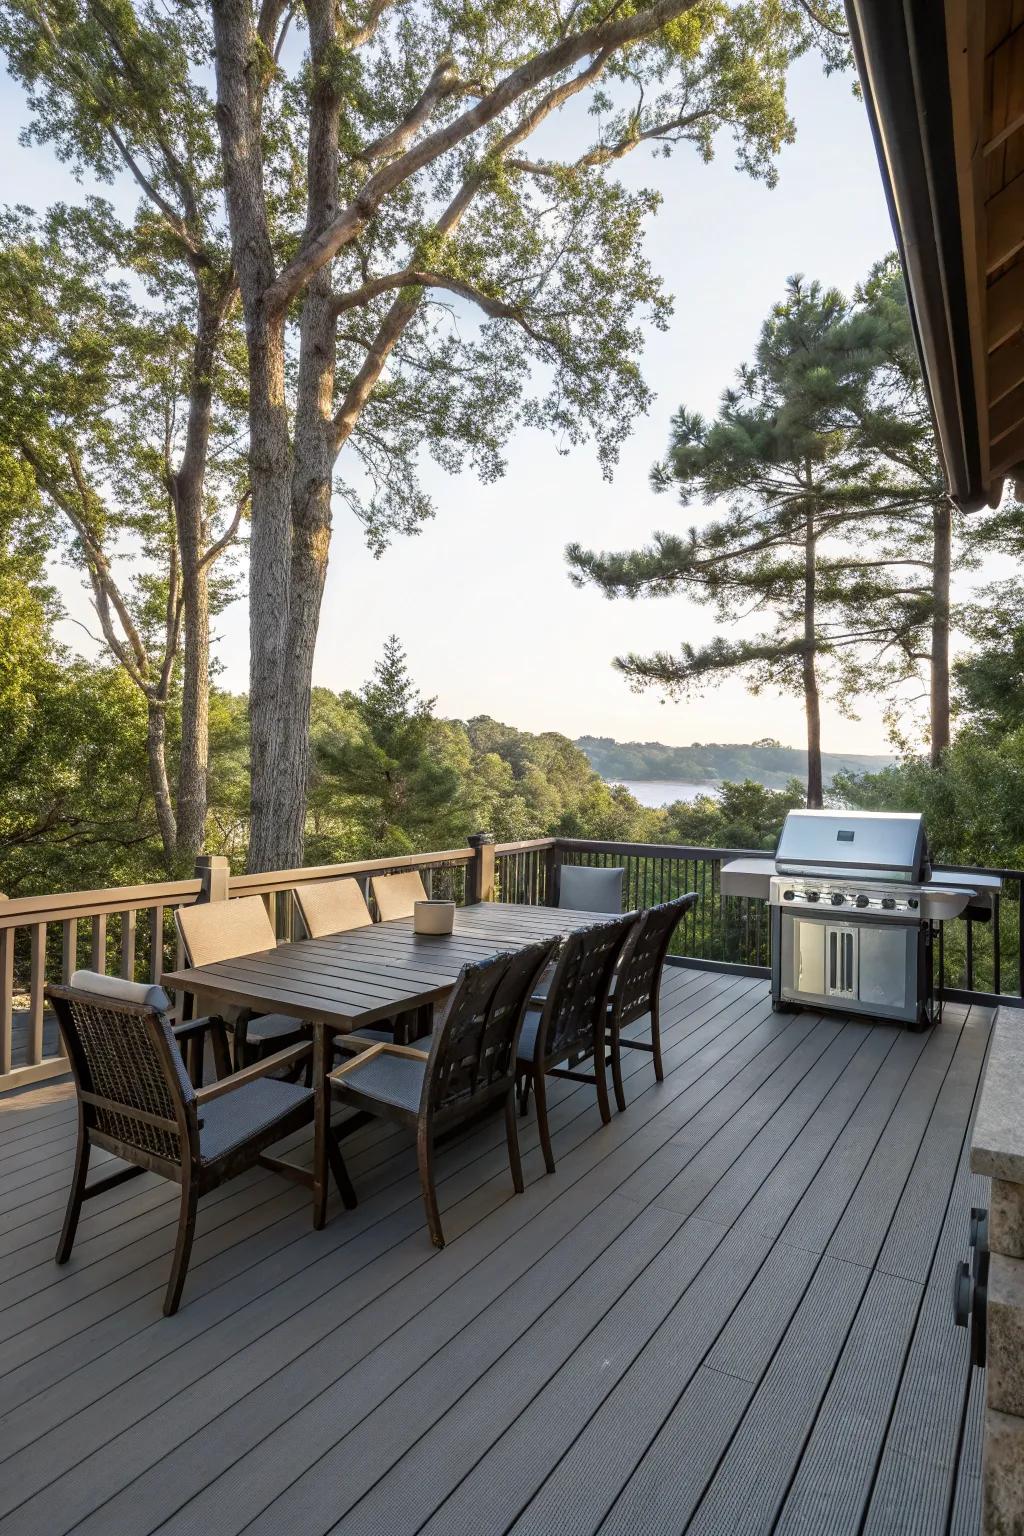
(885, 964)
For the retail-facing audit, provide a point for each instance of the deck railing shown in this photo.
(129, 931)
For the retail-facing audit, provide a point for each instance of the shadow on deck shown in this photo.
(729, 1311)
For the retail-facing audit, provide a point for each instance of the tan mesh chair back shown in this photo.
(332, 906)
(223, 930)
(396, 895)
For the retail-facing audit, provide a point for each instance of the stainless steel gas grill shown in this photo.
(855, 910)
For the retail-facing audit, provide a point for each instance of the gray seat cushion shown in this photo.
(247, 1112)
(590, 890)
(394, 1080)
(273, 1026)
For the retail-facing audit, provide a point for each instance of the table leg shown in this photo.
(321, 1123)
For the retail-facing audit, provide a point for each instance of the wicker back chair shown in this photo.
(223, 930)
(637, 990)
(569, 1022)
(396, 895)
(135, 1100)
(471, 1063)
(332, 906)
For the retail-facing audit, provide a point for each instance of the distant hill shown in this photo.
(709, 763)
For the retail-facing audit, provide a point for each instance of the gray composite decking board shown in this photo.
(791, 1393)
(591, 1477)
(438, 1456)
(302, 1448)
(925, 1434)
(339, 1339)
(247, 1441)
(191, 1311)
(965, 1519)
(745, 1347)
(303, 1442)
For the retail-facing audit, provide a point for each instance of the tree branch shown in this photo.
(603, 38)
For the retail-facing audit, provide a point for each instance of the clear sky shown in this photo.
(480, 598)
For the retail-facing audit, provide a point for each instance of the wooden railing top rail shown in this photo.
(526, 845)
(284, 879)
(21, 911)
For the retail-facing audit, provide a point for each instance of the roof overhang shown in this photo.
(943, 82)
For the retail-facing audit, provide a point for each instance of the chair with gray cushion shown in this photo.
(224, 930)
(569, 1026)
(135, 1101)
(470, 1064)
(589, 889)
(636, 991)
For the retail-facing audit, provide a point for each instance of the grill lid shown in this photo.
(868, 845)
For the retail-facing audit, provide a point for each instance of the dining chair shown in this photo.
(135, 1101)
(636, 988)
(471, 1063)
(328, 907)
(225, 930)
(332, 906)
(396, 895)
(589, 889)
(569, 1024)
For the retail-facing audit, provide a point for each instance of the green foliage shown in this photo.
(73, 786)
(743, 815)
(766, 762)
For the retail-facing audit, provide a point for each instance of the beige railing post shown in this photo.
(214, 871)
(480, 872)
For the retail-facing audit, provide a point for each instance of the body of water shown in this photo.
(664, 791)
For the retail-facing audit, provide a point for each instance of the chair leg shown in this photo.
(601, 1078)
(659, 1070)
(76, 1195)
(540, 1094)
(346, 1189)
(425, 1158)
(220, 1048)
(512, 1136)
(524, 1094)
(616, 1055)
(183, 1246)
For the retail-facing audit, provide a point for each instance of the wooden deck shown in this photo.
(729, 1311)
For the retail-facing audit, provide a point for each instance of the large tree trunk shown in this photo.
(156, 756)
(313, 464)
(812, 705)
(239, 117)
(942, 556)
(189, 493)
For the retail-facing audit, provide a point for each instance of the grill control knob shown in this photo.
(813, 895)
(788, 895)
(912, 902)
(863, 901)
(838, 898)
(888, 902)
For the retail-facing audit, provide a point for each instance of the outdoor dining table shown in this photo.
(347, 981)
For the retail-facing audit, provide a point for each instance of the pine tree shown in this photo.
(394, 770)
(808, 494)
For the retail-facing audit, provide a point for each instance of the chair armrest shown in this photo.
(189, 1027)
(287, 1058)
(378, 1048)
(357, 1044)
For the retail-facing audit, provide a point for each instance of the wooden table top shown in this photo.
(348, 979)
